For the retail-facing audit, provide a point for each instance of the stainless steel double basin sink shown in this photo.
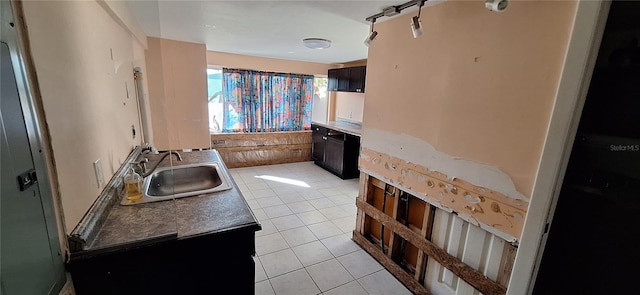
(181, 181)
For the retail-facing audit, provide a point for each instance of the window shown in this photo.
(214, 93)
(254, 101)
(320, 97)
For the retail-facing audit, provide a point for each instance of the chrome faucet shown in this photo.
(143, 163)
(141, 166)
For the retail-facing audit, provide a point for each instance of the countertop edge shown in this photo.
(252, 225)
(335, 126)
(84, 254)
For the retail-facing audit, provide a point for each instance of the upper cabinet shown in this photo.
(332, 84)
(356, 78)
(347, 79)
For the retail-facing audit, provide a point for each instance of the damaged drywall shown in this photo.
(422, 153)
(478, 193)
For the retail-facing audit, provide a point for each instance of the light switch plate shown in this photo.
(97, 167)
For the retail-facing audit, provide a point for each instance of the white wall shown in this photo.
(84, 62)
(350, 106)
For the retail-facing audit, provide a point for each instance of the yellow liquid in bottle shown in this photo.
(132, 191)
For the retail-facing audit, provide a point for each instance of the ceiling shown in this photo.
(265, 28)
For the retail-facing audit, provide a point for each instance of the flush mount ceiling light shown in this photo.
(416, 23)
(371, 36)
(316, 43)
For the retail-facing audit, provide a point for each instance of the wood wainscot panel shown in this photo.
(268, 148)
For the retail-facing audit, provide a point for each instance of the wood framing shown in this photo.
(506, 264)
(455, 265)
(394, 245)
(491, 210)
(389, 264)
(425, 232)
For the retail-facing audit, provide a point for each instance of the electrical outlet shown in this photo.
(97, 167)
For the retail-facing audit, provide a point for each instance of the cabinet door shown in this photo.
(351, 155)
(334, 155)
(318, 147)
(356, 79)
(333, 80)
(343, 79)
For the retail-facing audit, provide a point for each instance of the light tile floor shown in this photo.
(305, 247)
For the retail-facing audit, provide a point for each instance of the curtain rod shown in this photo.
(398, 8)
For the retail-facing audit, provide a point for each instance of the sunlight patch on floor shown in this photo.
(283, 180)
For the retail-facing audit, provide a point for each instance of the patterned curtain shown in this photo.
(257, 101)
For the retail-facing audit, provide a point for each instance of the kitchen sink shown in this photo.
(181, 181)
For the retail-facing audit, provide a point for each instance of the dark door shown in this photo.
(343, 79)
(356, 79)
(332, 84)
(592, 243)
(30, 260)
(334, 155)
(318, 147)
(351, 155)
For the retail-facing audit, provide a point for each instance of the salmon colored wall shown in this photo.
(478, 85)
(177, 83)
(84, 94)
(349, 106)
(355, 63)
(230, 60)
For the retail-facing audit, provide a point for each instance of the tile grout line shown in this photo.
(305, 196)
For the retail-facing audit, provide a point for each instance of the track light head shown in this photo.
(496, 5)
(416, 26)
(370, 38)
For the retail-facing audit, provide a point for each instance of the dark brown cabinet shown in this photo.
(356, 79)
(334, 155)
(318, 138)
(347, 79)
(335, 151)
(343, 79)
(332, 83)
(187, 266)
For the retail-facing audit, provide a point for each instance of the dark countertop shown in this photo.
(343, 126)
(140, 224)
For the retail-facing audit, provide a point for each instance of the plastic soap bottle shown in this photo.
(133, 185)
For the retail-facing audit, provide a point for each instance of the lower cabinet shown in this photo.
(334, 155)
(336, 152)
(209, 264)
(317, 149)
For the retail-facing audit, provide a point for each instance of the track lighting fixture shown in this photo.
(371, 36)
(391, 11)
(396, 9)
(416, 23)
